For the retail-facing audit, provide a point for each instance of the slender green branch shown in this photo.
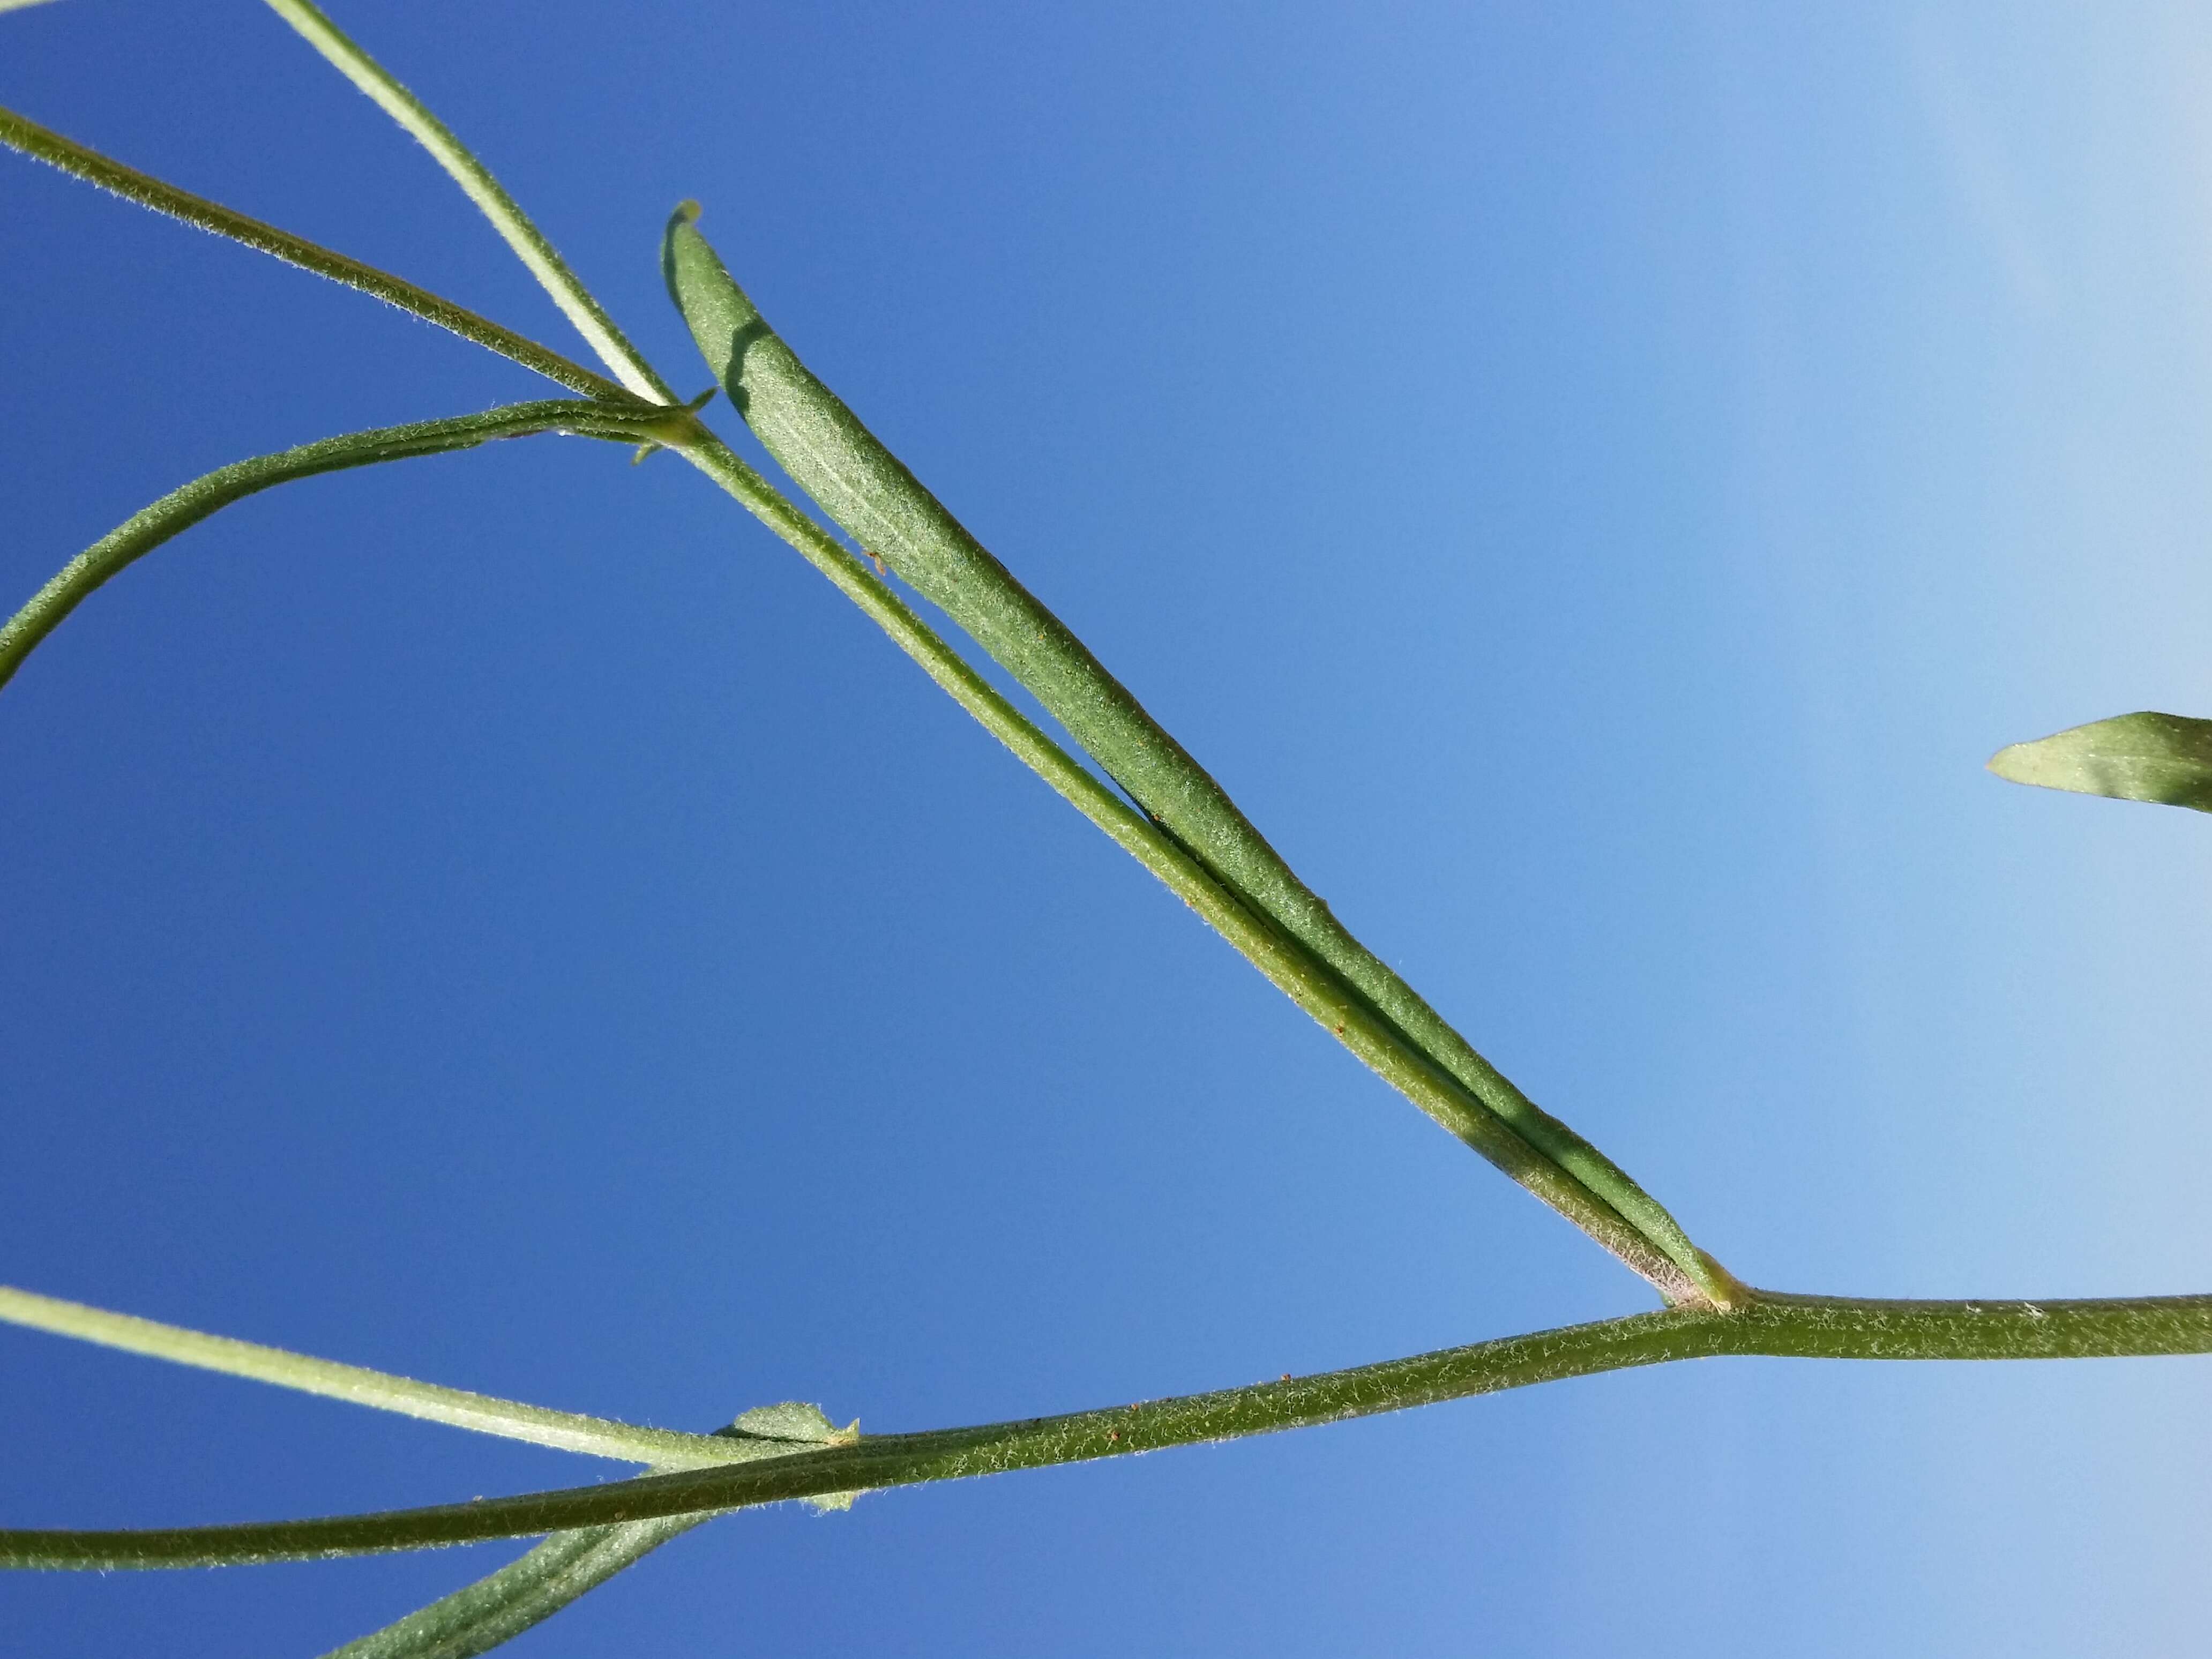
(476, 182)
(1311, 985)
(1825, 1327)
(32, 140)
(625, 422)
(569, 1565)
(1441, 1073)
(596, 1437)
(1484, 1107)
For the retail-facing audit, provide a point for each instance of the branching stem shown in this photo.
(18, 132)
(1825, 1327)
(848, 471)
(514, 226)
(1311, 984)
(1336, 980)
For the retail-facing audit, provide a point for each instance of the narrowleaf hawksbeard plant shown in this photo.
(874, 531)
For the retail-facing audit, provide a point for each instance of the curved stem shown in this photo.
(1833, 1328)
(1338, 1006)
(596, 1437)
(476, 182)
(182, 507)
(40, 143)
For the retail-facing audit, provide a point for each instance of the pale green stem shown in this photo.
(182, 507)
(1825, 1327)
(479, 1616)
(1338, 1007)
(71, 157)
(597, 1436)
(476, 182)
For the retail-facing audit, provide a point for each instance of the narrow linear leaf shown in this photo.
(188, 504)
(2165, 759)
(1290, 968)
(860, 484)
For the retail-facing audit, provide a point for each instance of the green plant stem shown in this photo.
(1804, 1327)
(478, 1617)
(626, 422)
(32, 140)
(597, 1436)
(1680, 1273)
(476, 182)
(1313, 985)
(481, 1615)
(828, 450)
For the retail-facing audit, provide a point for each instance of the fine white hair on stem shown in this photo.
(515, 226)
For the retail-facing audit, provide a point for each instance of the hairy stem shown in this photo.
(478, 1617)
(1825, 1327)
(597, 1436)
(140, 534)
(476, 182)
(32, 140)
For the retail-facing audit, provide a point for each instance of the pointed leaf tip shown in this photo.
(2165, 759)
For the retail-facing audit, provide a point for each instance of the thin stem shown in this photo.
(627, 422)
(596, 1437)
(476, 182)
(32, 140)
(1827, 1328)
(1312, 985)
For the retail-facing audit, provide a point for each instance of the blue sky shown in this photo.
(1594, 487)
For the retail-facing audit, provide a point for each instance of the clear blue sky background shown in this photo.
(1594, 482)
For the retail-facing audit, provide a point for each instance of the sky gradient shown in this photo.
(1594, 487)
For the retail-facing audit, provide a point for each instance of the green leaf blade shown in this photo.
(2164, 759)
(866, 489)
